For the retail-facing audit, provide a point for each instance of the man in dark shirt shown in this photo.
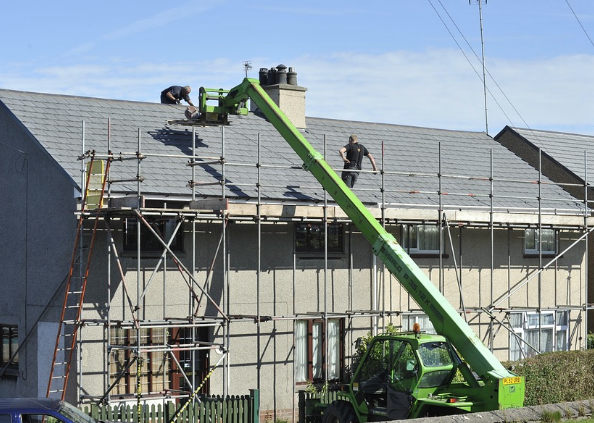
(352, 155)
(175, 94)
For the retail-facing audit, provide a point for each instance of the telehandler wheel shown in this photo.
(340, 412)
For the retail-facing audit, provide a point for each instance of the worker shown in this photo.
(175, 94)
(352, 155)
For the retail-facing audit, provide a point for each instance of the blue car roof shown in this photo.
(29, 404)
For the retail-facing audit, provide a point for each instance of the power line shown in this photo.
(577, 19)
(464, 53)
(477, 73)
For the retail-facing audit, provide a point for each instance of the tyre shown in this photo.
(340, 412)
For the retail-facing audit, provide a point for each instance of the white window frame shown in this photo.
(531, 244)
(525, 327)
(408, 320)
(421, 238)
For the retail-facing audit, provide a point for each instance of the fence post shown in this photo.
(301, 406)
(255, 405)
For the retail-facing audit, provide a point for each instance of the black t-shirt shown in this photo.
(176, 91)
(354, 154)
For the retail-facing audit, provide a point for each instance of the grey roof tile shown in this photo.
(570, 150)
(408, 153)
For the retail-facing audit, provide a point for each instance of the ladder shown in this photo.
(96, 173)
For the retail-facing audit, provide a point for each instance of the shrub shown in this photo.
(556, 377)
(362, 347)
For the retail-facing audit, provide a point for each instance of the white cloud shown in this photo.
(439, 89)
(435, 88)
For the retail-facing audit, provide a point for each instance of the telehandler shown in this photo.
(405, 375)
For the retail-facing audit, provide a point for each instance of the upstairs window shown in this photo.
(309, 237)
(548, 241)
(149, 243)
(421, 239)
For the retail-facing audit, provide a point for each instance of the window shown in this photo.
(311, 350)
(309, 237)
(547, 239)
(39, 418)
(154, 365)
(408, 320)
(421, 239)
(553, 328)
(66, 412)
(191, 366)
(10, 344)
(158, 371)
(148, 242)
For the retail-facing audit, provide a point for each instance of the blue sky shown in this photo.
(409, 62)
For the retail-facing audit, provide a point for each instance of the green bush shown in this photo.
(590, 340)
(362, 348)
(556, 377)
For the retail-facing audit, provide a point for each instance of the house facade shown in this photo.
(219, 263)
(564, 158)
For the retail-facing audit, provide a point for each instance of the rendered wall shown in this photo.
(38, 228)
(261, 355)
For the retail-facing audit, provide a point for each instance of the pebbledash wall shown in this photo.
(268, 289)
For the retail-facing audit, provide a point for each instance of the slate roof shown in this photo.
(409, 155)
(566, 149)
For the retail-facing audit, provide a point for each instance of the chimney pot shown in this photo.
(281, 75)
(272, 76)
(292, 77)
(263, 76)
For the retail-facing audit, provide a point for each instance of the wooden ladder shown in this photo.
(97, 171)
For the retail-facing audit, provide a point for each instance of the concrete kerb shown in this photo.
(568, 411)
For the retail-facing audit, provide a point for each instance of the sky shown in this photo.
(406, 62)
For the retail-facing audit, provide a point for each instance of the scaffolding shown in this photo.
(222, 210)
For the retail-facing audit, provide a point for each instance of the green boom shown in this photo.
(444, 317)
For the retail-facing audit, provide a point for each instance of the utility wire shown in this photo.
(577, 19)
(488, 73)
(467, 59)
(478, 58)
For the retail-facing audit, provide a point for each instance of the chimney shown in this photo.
(281, 86)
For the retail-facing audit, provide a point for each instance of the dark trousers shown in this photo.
(350, 178)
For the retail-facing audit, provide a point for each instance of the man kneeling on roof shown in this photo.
(175, 94)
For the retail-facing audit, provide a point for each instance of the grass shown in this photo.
(551, 416)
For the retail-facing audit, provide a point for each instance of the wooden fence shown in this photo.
(216, 409)
(310, 405)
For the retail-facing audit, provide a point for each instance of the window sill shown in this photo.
(544, 255)
(314, 256)
(428, 255)
(10, 374)
(150, 254)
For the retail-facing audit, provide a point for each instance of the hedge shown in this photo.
(557, 376)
